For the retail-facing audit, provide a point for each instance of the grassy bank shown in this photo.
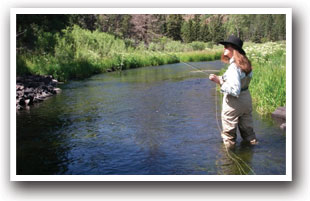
(80, 53)
(268, 86)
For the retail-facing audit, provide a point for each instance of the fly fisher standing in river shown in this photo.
(237, 102)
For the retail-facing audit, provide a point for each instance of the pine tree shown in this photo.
(126, 26)
(196, 27)
(204, 33)
(174, 25)
(216, 29)
(187, 31)
(269, 25)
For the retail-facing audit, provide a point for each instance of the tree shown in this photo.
(279, 29)
(196, 27)
(174, 25)
(204, 33)
(238, 25)
(216, 29)
(30, 26)
(187, 31)
(126, 26)
(269, 24)
(86, 21)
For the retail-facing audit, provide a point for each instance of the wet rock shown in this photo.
(19, 87)
(279, 115)
(57, 90)
(33, 89)
(280, 112)
(27, 101)
(283, 126)
(21, 102)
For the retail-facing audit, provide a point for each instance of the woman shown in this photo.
(237, 102)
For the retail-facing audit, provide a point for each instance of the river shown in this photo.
(158, 120)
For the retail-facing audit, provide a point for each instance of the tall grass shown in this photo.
(268, 86)
(80, 53)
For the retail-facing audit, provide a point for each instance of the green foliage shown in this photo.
(187, 31)
(210, 44)
(197, 45)
(216, 28)
(21, 66)
(80, 53)
(199, 56)
(174, 25)
(269, 61)
(196, 28)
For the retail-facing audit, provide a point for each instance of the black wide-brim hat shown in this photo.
(236, 42)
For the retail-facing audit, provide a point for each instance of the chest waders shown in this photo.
(237, 113)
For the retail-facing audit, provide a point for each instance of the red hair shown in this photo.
(241, 60)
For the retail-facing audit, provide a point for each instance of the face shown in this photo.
(228, 51)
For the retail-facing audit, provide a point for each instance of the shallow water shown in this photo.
(154, 120)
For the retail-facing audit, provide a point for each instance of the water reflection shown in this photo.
(235, 160)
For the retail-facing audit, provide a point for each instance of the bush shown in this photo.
(197, 45)
(21, 66)
(210, 45)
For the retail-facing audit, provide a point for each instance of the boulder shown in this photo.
(27, 101)
(57, 90)
(34, 88)
(279, 115)
(283, 126)
(280, 112)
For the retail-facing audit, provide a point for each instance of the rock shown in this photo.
(33, 89)
(279, 115)
(50, 88)
(280, 112)
(27, 101)
(28, 90)
(18, 107)
(38, 99)
(19, 87)
(283, 126)
(22, 101)
(57, 90)
(19, 93)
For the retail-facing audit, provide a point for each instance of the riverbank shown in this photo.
(80, 69)
(33, 89)
(78, 53)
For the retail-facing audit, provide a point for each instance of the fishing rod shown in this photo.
(194, 67)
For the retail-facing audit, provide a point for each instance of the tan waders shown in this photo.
(237, 112)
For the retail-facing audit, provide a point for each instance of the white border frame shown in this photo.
(287, 177)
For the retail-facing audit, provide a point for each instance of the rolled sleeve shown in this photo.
(232, 81)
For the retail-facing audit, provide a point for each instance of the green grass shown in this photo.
(268, 86)
(80, 53)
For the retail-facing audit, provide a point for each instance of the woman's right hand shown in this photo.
(214, 78)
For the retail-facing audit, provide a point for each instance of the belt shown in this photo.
(244, 89)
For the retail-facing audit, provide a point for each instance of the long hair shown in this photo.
(241, 60)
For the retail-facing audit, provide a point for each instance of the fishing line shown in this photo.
(232, 156)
